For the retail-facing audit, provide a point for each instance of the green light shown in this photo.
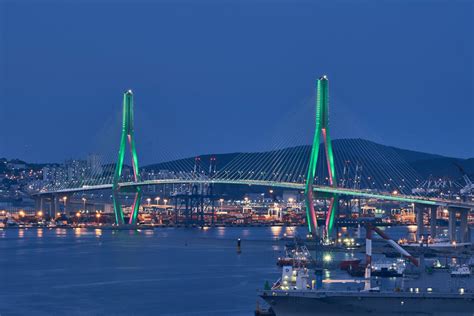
(321, 129)
(127, 135)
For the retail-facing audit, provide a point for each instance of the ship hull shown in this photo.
(311, 304)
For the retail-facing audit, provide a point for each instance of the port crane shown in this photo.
(469, 187)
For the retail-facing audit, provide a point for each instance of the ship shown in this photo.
(421, 290)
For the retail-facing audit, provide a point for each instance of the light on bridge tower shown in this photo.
(127, 137)
(321, 131)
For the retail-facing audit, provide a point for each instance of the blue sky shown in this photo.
(214, 76)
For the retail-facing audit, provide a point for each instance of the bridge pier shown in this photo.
(420, 228)
(54, 205)
(433, 220)
(464, 229)
(452, 224)
(39, 203)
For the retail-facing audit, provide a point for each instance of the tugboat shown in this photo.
(298, 256)
(389, 269)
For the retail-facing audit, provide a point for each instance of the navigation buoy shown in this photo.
(238, 246)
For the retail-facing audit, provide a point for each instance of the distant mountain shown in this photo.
(375, 161)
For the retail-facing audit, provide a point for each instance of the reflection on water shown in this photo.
(221, 231)
(61, 232)
(98, 232)
(39, 232)
(21, 233)
(290, 231)
(276, 231)
(149, 232)
(77, 232)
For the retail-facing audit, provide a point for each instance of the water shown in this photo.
(161, 272)
(167, 271)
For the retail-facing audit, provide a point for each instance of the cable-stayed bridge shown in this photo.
(331, 171)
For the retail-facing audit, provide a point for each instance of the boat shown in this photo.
(437, 245)
(298, 256)
(297, 294)
(389, 269)
(345, 265)
(461, 271)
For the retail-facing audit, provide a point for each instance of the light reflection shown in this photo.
(61, 232)
(39, 232)
(21, 233)
(221, 231)
(149, 232)
(77, 232)
(290, 231)
(98, 232)
(276, 231)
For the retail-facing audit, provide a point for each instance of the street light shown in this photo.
(165, 201)
(40, 213)
(148, 200)
(157, 199)
(64, 200)
(84, 200)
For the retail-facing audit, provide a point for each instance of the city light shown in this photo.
(40, 213)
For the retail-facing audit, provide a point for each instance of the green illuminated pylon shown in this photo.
(322, 130)
(127, 136)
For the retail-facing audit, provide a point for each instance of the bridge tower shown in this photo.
(322, 131)
(127, 136)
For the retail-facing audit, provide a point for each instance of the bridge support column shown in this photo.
(39, 202)
(127, 136)
(464, 229)
(54, 205)
(433, 220)
(420, 228)
(321, 131)
(452, 224)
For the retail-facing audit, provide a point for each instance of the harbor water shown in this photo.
(166, 271)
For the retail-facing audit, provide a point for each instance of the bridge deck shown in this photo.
(286, 185)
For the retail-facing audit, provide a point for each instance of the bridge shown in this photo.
(255, 171)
